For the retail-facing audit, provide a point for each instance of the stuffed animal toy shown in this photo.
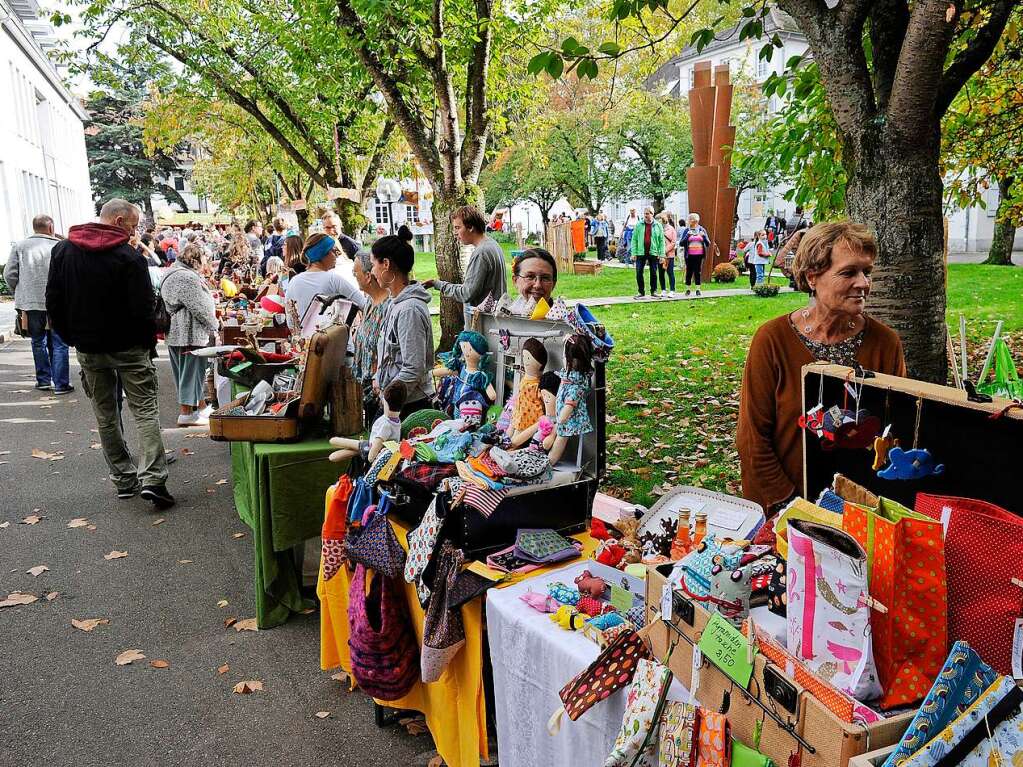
(657, 543)
(629, 528)
(568, 618)
(882, 445)
(590, 585)
(540, 602)
(910, 464)
(598, 530)
(606, 621)
(564, 594)
(610, 552)
(591, 606)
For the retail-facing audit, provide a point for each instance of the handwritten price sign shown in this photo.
(726, 648)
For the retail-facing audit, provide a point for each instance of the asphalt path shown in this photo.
(63, 700)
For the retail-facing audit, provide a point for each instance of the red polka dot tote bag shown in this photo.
(983, 553)
(906, 573)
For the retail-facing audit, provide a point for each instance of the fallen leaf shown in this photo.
(95, 446)
(31, 519)
(223, 669)
(184, 561)
(5, 524)
(90, 527)
(52, 595)
(186, 451)
(36, 571)
(228, 622)
(222, 603)
(249, 624)
(115, 555)
(78, 522)
(322, 714)
(128, 656)
(17, 598)
(415, 726)
(160, 521)
(244, 688)
(238, 535)
(88, 624)
(159, 664)
(42, 454)
(221, 482)
(437, 761)
(5, 452)
(340, 676)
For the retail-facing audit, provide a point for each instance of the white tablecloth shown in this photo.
(533, 659)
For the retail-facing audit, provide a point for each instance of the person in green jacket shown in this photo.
(647, 249)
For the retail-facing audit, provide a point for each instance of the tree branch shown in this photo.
(888, 22)
(376, 159)
(477, 118)
(972, 58)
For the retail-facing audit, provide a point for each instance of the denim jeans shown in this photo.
(760, 273)
(49, 352)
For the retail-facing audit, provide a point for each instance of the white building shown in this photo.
(43, 165)
(181, 182)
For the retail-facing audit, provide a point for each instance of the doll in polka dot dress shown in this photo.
(572, 414)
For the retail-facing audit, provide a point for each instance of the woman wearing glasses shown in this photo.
(535, 274)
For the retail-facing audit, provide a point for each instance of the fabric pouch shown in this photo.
(828, 626)
(680, 724)
(542, 603)
(335, 521)
(544, 546)
(564, 593)
(714, 741)
(507, 561)
(468, 586)
(443, 630)
(374, 544)
(744, 756)
(637, 742)
(359, 499)
(962, 680)
(421, 543)
(609, 672)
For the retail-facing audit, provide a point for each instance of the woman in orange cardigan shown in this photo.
(833, 264)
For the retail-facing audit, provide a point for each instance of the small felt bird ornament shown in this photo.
(910, 464)
(882, 445)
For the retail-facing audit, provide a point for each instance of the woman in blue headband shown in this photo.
(320, 253)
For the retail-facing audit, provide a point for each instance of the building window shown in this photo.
(179, 183)
(763, 67)
(411, 214)
(381, 213)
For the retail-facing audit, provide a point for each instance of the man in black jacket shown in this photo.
(100, 300)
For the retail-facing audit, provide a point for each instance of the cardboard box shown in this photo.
(833, 741)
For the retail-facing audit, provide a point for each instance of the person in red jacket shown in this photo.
(100, 300)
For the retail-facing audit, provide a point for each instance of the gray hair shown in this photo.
(117, 207)
(363, 258)
(696, 216)
(42, 223)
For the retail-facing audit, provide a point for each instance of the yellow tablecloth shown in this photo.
(454, 706)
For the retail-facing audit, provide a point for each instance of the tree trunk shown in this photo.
(896, 190)
(448, 253)
(1005, 228)
(303, 222)
(353, 221)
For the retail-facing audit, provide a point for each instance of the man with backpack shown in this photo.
(274, 245)
(100, 300)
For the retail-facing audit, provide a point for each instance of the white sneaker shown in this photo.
(196, 418)
(206, 412)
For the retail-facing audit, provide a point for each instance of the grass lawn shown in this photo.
(673, 380)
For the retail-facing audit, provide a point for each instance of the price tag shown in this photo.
(836, 414)
(666, 602)
(694, 678)
(1017, 650)
(621, 599)
(726, 647)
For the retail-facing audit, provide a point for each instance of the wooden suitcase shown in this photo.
(827, 741)
(325, 354)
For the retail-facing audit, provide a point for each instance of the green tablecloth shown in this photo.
(278, 491)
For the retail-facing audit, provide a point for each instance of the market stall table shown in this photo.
(454, 706)
(277, 492)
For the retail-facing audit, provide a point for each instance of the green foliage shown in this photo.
(657, 131)
(119, 163)
(763, 290)
(724, 273)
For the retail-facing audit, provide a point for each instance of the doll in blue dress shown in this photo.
(572, 415)
(463, 372)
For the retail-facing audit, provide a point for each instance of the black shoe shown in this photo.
(67, 390)
(158, 496)
(44, 387)
(129, 492)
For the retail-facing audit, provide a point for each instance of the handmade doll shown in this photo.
(463, 372)
(386, 428)
(573, 417)
(529, 404)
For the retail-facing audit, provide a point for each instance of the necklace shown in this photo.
(808, 328)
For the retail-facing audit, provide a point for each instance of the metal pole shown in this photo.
(990, 353)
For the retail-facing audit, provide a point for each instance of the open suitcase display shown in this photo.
(323, 360)
(794, 720)
(564, 505)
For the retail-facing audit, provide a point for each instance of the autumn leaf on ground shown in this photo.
(41, 454)
(414, 726)
(159, 664)
(437, 761)
(221, 482)
(223, 669)
(237, 535)
(222, 603)
(128, 656)
(115, 555)
(322, 714)
(186, 451)
(31, 519)
(88, 624)
(17, 598)
(78, 522)
(36, 571)
(184, 561)
(160, 521)
(249, 624)
(244, 688)
(228, 622)
(52, 595)
(95, 446)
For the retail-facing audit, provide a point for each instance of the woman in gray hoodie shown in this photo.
(405, 348)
